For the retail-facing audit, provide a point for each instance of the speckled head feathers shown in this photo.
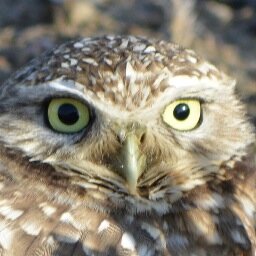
(125, 70)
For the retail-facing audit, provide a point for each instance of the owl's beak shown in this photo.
(132, 159)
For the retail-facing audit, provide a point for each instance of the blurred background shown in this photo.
(222, 31)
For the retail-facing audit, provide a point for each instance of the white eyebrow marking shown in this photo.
(68, 86)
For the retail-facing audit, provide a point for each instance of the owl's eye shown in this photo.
(67, 115)
(182, 115)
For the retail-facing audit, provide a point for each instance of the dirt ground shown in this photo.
(224, 31)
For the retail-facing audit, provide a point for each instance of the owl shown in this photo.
(120, 145)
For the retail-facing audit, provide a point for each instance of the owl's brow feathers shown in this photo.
(126, 59)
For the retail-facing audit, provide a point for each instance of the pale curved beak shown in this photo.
(132, 159)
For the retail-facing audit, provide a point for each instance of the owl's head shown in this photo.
(128, 118)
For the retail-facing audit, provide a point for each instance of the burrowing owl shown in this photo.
(124, 146)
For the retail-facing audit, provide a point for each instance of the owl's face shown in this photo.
(138, 122)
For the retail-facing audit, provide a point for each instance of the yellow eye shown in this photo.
(68, 115)
(182, 115)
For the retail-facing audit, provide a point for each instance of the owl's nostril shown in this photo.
(119, 139)
(134, 128)
(142, 138)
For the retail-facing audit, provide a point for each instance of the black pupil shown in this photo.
(68, 114)
(181, 111)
